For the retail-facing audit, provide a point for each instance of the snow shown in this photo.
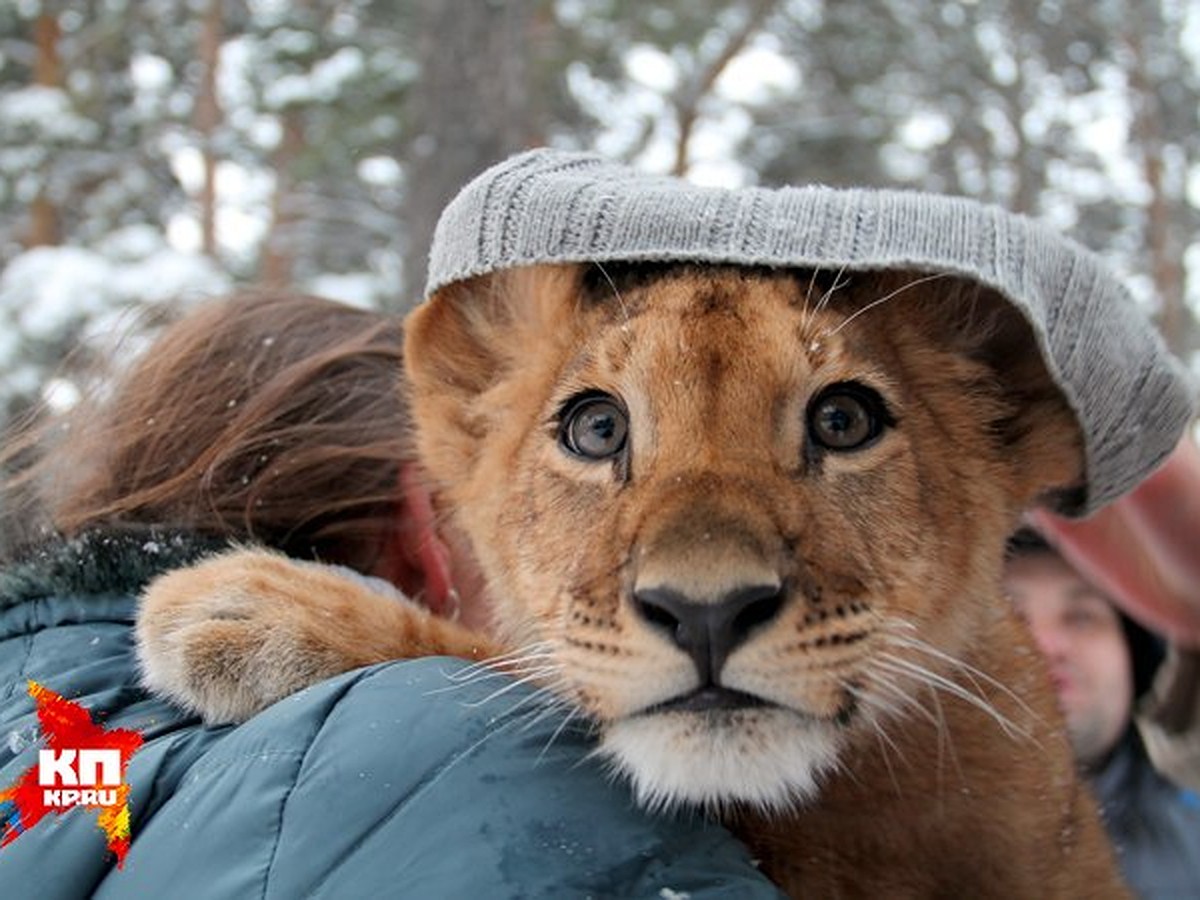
(243, 211)
(292, 42)
(355, 288)
(61, 394)
(150, 72)
(925, 129)
(167, 275)
(321, 85)
(44, 290)
(131, 243)
(187, 165)
(47, 287)
(10, 343)
(48, 113)
(380, 171)
(649, 66)
(20, 739)
(757, 76)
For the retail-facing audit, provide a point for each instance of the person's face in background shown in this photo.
(1079, 633)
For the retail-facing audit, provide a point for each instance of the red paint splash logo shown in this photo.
(82, 764)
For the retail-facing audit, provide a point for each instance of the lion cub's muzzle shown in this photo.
(712, 593)
(708, 631)
(708, 581)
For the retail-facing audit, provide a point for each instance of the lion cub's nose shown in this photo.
(709, 631)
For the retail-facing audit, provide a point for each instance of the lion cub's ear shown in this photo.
(496, 332)
(1037, 433)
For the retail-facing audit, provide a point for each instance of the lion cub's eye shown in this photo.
(593, 426)
(846, 416)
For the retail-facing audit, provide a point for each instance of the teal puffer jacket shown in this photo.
(390, 781)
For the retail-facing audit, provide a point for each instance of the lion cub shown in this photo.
(755, 522)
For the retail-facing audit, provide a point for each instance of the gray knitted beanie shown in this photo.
(1132, 398)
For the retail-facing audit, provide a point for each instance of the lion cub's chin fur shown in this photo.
(768, 759)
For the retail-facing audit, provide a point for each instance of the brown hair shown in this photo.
(270, 417)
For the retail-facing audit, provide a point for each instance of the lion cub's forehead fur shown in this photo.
(718, 366)
(696, 356)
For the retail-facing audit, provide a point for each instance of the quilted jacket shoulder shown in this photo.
(403, 779)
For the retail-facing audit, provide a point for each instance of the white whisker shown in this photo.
(875, 703)
(616, 293)
(837, 285)
(885, 299)
(532, 660)
(524, 674)
(900, 666)
(572, 712)
(896, 700)
(543, 702)
(971, 672)
(886, 744)
(538, 650)
(945, 748)
(812, 283)
(510, 683)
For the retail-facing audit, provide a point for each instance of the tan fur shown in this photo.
(235, 633)
(941, 767)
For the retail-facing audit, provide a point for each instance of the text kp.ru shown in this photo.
(79, 777)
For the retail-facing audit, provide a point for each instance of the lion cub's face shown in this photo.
(737, 518)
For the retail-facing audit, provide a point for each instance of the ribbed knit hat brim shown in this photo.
(1132, 398)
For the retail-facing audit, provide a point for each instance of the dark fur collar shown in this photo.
(118, 561)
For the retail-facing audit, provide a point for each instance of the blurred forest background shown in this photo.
(154, 151)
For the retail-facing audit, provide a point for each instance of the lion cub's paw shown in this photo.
(233, 634)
